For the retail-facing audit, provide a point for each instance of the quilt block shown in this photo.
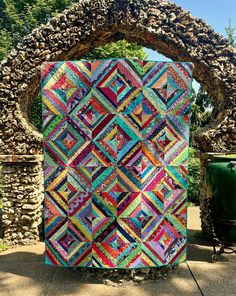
(116, 135)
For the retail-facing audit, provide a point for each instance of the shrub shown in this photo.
(35, 112)
(193, 178)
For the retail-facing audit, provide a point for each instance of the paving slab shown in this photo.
(193, 221)
(24, 278)
(22, 272)
(67, 282)
(200, 249)
(33, 253)
(35, 279)
(215, 279)
(203, 253)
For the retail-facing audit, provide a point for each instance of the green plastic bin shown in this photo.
(221, 183)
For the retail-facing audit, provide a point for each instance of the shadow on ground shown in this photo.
(201, 249)
(24, 273)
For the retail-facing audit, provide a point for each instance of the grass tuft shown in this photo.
(3, 247)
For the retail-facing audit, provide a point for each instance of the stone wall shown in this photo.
(157, 24)
(22, 187)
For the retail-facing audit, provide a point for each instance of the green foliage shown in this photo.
(19, 17)
(119, 49)
(11, 21)
(35, 112)
(201, 110)
(5, 44)
(193, 178)
(230, 33)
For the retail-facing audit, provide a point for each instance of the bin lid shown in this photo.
(224, 157)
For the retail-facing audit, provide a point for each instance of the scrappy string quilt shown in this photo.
(115, 162)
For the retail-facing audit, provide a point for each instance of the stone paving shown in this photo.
(23, 273)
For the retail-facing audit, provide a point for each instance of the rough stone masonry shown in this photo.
(156, 24)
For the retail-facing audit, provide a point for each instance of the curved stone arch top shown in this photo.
(159, 25)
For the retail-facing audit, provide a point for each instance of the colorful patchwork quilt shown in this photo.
(115, 144)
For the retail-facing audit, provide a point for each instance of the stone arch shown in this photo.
(160, 25)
